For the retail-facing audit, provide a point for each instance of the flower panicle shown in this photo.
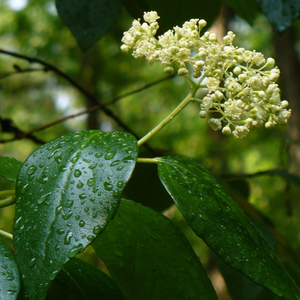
(242, 93)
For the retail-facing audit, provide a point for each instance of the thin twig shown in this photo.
(84, 92)
(29, 70)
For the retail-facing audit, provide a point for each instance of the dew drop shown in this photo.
(108, 186)
(60, 231)
(82, 196)
(43, 198)
(98, 154)
(81, 223)
(97, 229)
(110, 155)
(32, 262)
(77, 173)
(68, 237)
(69, 203)
(120, 184)
(91, 182)
(75, 250)
(53, 274)
(31, 170)
(79, 185)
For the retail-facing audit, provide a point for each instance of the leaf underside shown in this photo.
(89, 20)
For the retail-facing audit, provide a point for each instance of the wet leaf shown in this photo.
(79, 280)
(9, 168)
(9, 274)
(150, 258)
(280, 13)
(220, 222)
(89, 20)
(67, 191)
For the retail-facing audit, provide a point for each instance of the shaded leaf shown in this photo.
(175, 12)
(89, 20)
(9, 274)
(220, 222)
(67, 192)
(79, 280)
(152, 195)
(9, 168)
(150, 258)
(247, 10)
(280, 13)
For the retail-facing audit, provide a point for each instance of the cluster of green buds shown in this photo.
(242, 93)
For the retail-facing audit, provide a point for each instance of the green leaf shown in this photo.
(9, 274)
(150, 258)
(9, 168)
(280, 13)
(67, 191)
(79, 280)
(175, 12)
(247, 10)
(89, 20)
(219, 221)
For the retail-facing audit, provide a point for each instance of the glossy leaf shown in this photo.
(79, 280)
(9, 274)
(175, 12)
(67, 191)
(89, 20)
(280, 13)
(9, 168)
(150, 258)
(220, 222)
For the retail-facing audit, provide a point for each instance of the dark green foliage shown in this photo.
(9, 274)
(9, 168)
(79, 280)
(150, 258)
(89, 20)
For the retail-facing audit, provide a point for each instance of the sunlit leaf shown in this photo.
(9, 168)
(9, 274)
(79, 280)
(280, 13)
(67, 192)
(89, 20)
(150, 258)
(221, 223)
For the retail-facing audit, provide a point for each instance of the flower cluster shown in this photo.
(241, 84)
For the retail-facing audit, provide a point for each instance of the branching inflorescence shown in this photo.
(242, 93)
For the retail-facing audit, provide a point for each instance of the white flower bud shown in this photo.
(284, 104)
(215, 124)
(270, 62)
(183, 71)
(151, 16)
(169, 70)
(202, 23)
(203, 114)
(226, 130)
(237, 70)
